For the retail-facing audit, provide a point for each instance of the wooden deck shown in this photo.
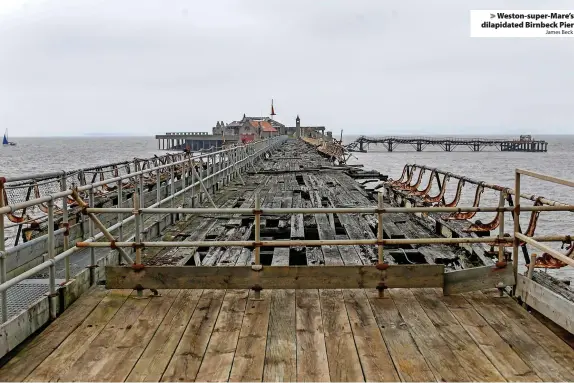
(288, 335)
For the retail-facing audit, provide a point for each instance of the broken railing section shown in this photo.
(331, 149)
(404, 185)
(225, 165)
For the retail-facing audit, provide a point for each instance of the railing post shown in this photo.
(501, 260)
(51, 250)
(192, 167)
(138, 228)
(381, 259)
(141, 194)
(516, 228)
(257, 250)
(158, 187)
(172, 191)
(4, 295)
(66, 225)
(92, 250)
(183, 182)
(120, 216)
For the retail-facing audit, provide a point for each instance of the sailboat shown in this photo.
(5, 141)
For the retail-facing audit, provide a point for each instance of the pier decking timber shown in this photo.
(297, 335)
(288, 335)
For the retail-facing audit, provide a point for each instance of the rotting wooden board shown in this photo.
(275, 277)
(551, 305)
(477, 278)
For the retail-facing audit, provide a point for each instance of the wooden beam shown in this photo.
(274, 277)
(553, 306)
(477, 278)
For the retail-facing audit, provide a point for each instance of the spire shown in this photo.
(272, 109)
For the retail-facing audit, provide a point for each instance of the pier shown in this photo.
(523, 144)
(276, 260)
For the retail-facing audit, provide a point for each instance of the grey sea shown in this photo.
(37, 155)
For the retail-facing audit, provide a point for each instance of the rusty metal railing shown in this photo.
(223, 164)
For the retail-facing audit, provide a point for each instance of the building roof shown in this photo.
(265, 126)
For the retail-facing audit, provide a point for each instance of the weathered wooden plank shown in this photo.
(130, 345)
(439, 356)
(374, 357)
(344, 364)
(280, 256)
(274, 277)
(500, 354)
(250, 354)
(471, 358)
(297, 226)
(218, 358)
(187, 358)
(153, 362)
(33, 356)
(95, 356)
(477, 278)
(281, 349)
(548, 303)
(410, 364)
(560, 351)
(520, 341)
(312, 365)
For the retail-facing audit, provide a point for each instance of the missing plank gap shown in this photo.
(297, 256)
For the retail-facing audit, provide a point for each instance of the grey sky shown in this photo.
(69, 67)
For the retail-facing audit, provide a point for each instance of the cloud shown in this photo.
(144, 67)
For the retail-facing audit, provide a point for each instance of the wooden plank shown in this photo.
(374, 357)
(187, 358)
(250, 353)
(500, 354)
(218, 358)
(528, 349)
(297, 226)
(556, 347)
(477, 278)
(57, 364)
(471, 358)
(344, 365)
(439, 356)
(312, 365)
(274, 277)
(280, 256)
(41, 347)
(153, 362)
(545, 301)
(130, 345)
(410, 364)
(90, 362)
(281, 349)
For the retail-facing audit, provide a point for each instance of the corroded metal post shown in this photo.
(92, 252)
(516, 228)
(501, 201)
(4, 295)
(120, 216)
(51, 254)
(172, 190)
(65, 224)
(257, 250)
(192, 167)
(381, 260)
